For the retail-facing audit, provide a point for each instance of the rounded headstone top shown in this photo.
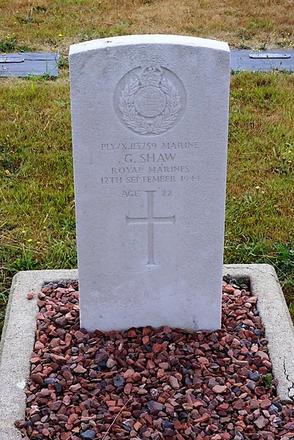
(129, 40)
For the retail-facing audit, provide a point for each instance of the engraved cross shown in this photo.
(150, 220)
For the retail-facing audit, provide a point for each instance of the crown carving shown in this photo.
(151, 76)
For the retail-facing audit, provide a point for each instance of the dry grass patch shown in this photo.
(44, 24)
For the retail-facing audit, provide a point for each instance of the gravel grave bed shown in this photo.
(151, 383)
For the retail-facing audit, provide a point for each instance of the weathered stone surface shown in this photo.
(150, 117)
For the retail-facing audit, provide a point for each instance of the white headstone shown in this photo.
(150, 118)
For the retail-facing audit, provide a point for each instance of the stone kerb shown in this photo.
(19, 334)
(17, 343)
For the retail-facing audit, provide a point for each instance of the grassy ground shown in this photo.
(37, 226)
(57, 23)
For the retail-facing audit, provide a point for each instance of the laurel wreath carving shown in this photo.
(149, 125)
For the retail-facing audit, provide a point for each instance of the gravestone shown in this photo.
(27, 64)
(262, 61)
(150, 118)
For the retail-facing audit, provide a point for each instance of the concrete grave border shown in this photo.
(19, 334)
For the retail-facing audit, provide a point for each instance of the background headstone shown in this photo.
(262, 61)
(150, 117)
(26, 64)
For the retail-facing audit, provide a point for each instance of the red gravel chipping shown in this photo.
(152, 383)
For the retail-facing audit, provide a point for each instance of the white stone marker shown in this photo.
(150, 118)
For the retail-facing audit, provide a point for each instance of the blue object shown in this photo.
(262, 61)
(28, 64)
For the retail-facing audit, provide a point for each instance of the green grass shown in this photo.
(10, 44)
(36, 183)
(260, 193)
(36, 190)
